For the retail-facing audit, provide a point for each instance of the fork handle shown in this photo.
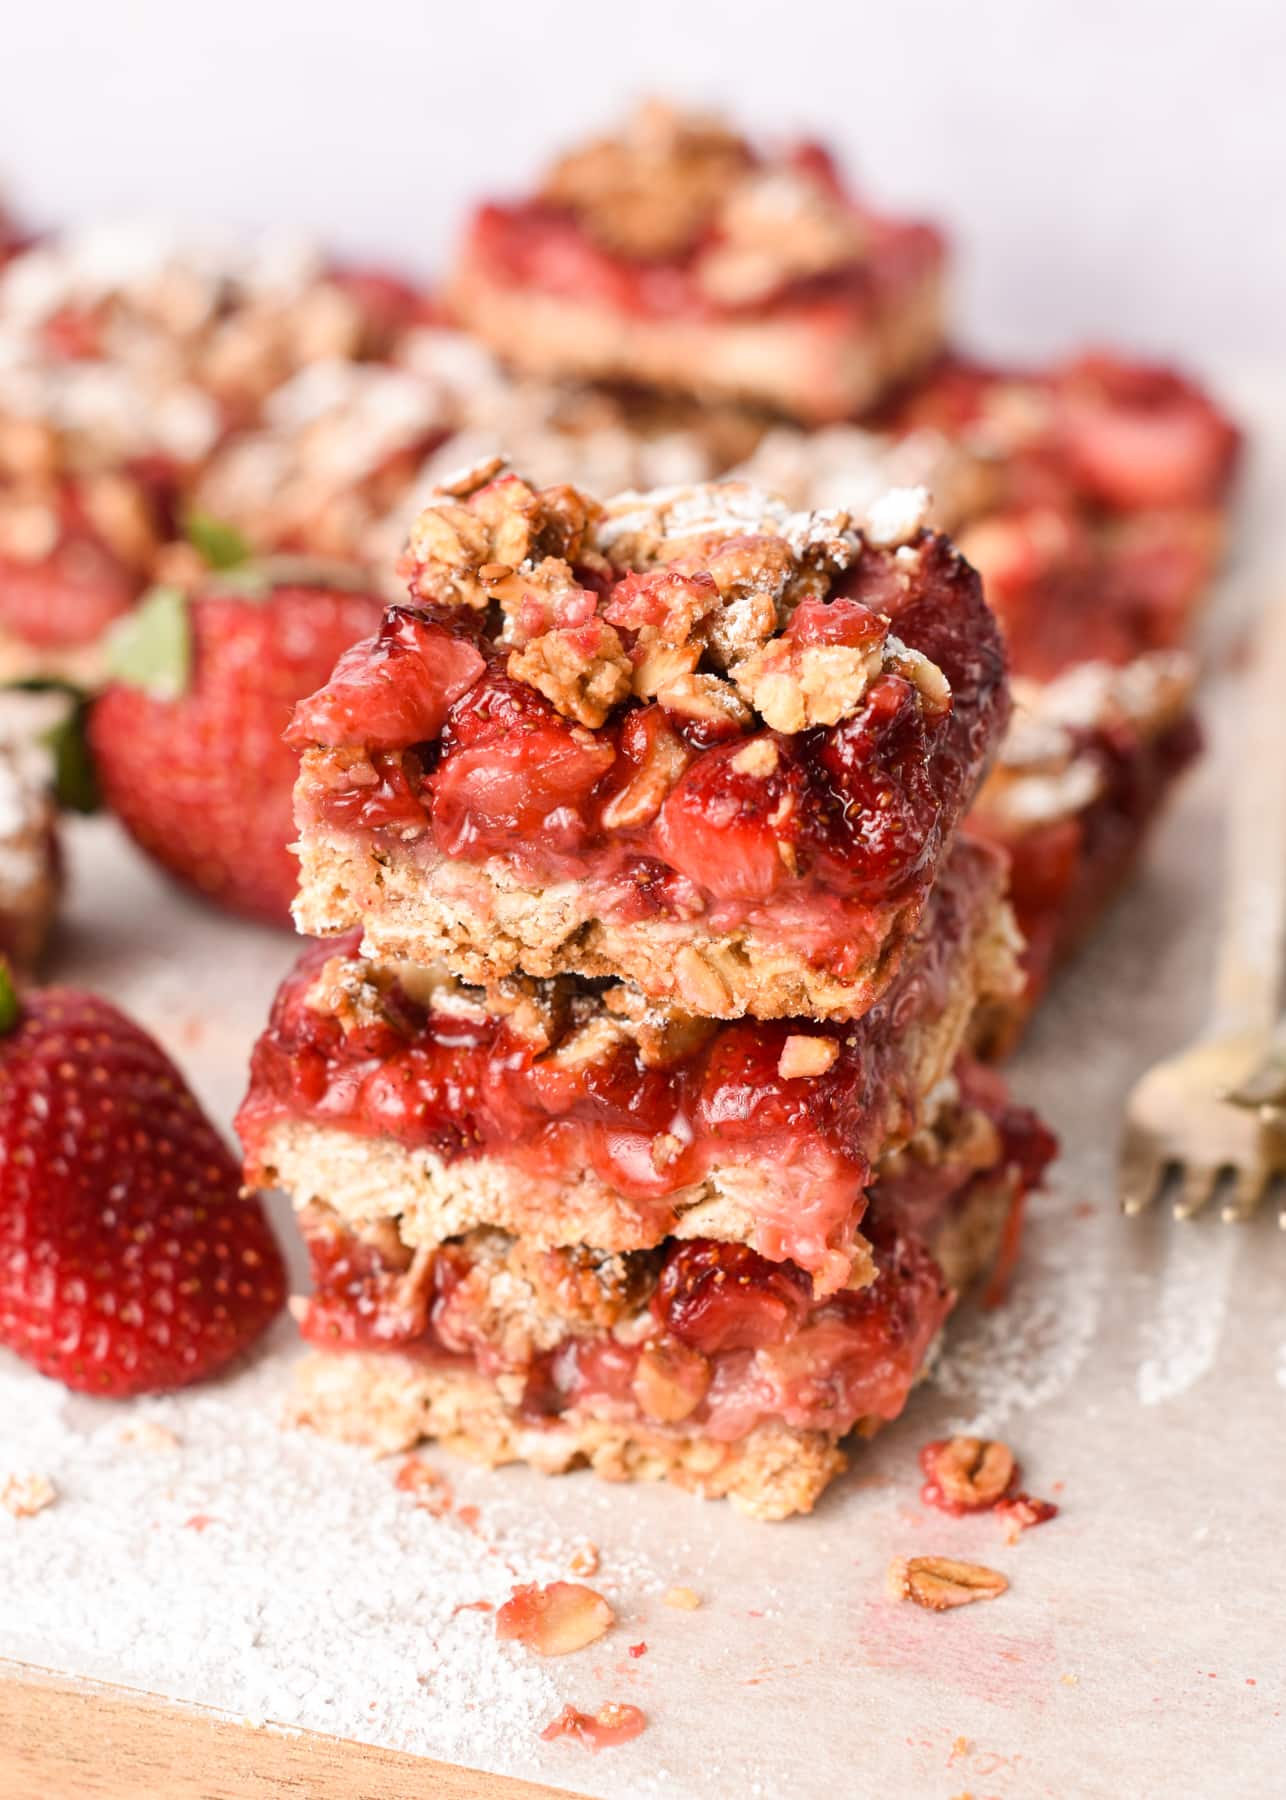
(1248, 969)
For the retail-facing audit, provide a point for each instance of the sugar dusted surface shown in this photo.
(1133, 1653)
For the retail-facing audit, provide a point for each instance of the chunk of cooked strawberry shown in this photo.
(843, 620)
(514, 773)
(391, 690)
(742, 1095)
(715, 1296)
(872, 813)
(733, 829)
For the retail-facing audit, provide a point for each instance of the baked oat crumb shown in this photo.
(971, 1473)
(803, 1057)
(794, 687)
(940, 1583)
(584, 1559)
(146, 1434)
(583, 670)
(759, 758)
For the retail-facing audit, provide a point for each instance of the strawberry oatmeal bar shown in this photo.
(1101, 495)
(688, 739)
(630, 1121)
(677, 255)
(347, 453)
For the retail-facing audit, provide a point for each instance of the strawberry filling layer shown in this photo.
(715, 1338)
(464, 1084)
(433, 750)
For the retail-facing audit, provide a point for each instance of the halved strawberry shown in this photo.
(188, 739)
(129, 1259)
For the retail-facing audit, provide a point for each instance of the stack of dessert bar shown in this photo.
(626, 1102)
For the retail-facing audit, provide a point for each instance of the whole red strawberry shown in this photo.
(188, 737)
(129, 1260)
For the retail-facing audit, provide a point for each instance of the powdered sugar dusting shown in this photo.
(1181, 1339)
(1029, 1351)
(352, 1625)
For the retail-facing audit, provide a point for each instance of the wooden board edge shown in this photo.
(87, 1740)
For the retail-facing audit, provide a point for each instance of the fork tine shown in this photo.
(1140, 1174)
(1247, 1191)
(1197, 1183)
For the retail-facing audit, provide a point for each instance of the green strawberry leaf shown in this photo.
(9, 1007)
(75, 777)
(75, 780)
(151, 647)
(221, 546)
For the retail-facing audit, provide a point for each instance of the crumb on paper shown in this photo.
(431, 1491)
(684, 1599)
(147, 1434)
(940, 1583)
(554, 1620)
(1070, 1680)
(611, 1724)
(23, 1496)
(967, 1474)
(639, 1649)
(1021, 1511)
(584, 1560)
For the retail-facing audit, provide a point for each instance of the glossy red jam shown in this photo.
(468, 1086)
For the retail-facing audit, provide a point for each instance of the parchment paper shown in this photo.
(1139, 1371)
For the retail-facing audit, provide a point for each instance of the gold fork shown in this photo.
(1183, 1128)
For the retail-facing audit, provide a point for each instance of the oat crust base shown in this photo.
(784, 363)
(391, 1402)
(484, 923)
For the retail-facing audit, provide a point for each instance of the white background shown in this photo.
(1108, 170)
